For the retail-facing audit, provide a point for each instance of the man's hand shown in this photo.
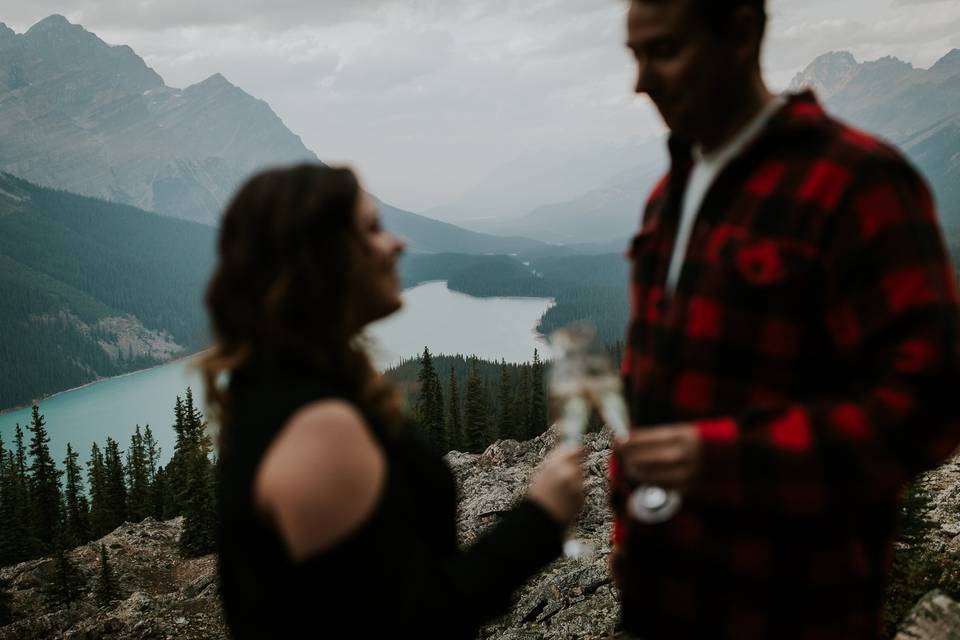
(666, 456)
(615, 565)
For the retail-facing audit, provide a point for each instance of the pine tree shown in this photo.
(196, 426)
(476, 418)
(504, 411)
(68, 583)
(152, 450)
(162, 496)
(5, 541)
(198, 500)
(138, 478)
(454, 424)
(44, 482)
(102, 521)
(77, 525)
(200, 525)
(190, 429)
(28, 545)
(176, 469)
(537, 421)
(521, 406)
(15, 540)
(106, 589)
(21, 453)
(437, 423)
(430, 403)
(6, 603)
(114, 485)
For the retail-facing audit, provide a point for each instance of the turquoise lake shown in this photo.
(446, 321)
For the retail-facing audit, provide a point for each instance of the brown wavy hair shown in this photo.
(281, 287)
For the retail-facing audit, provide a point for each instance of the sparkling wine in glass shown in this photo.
(590, 369)
(569, 405)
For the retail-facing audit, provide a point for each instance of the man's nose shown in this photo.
(644, 78)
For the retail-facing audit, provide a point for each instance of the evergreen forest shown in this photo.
(68, 262)
(48, 507)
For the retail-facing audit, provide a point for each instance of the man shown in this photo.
(792, 355)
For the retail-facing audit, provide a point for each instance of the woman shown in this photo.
(336, 522)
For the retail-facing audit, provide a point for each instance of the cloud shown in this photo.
(427, 96)
(171, 14)
(396, 60)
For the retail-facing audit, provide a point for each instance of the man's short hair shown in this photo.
(716, 14)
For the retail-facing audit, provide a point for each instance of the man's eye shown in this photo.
(663, 50)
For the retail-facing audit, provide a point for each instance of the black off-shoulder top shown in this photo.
(398, 575)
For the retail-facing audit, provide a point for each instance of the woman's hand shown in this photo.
(557, 485)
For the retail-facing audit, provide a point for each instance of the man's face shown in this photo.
(681, 65)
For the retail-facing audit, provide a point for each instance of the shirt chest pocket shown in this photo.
(768, 274)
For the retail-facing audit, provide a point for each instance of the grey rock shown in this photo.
(571, 599)
(935, 617)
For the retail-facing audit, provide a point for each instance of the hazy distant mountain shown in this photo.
(424, 235)
(81, 115)
(916, 109)
(92, 289)
(541, 177)
(607, 215)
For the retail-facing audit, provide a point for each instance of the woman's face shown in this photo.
(375, 283)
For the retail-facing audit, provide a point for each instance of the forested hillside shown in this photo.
(92, 289)
(585, 287)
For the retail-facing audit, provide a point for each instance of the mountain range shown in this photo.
(916, 109)
(80, 115)
(90, 118)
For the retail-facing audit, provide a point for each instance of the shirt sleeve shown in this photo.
(890, 307)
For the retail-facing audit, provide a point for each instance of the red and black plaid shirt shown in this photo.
(813, 339)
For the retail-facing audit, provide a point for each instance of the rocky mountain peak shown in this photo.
(890, 62)
(828, 74)
(6, 33)
(56, 41)
(949, 62)
(216, 81)
(54, 25)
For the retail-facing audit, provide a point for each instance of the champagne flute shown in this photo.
(569, 404)
(587, 369)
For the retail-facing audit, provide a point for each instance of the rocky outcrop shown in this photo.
(161, 595)
(572, 598)
(164, 596)
(936, 617)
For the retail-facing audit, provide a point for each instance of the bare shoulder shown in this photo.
(321, 478)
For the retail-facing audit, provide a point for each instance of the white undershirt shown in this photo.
(706, 167)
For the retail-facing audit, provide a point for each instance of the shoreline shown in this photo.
(185, 356)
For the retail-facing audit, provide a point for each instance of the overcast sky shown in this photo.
(425, 97)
